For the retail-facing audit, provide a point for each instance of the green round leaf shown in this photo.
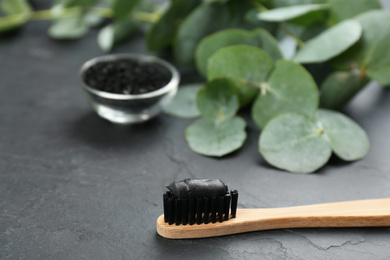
(106, 37)
(184, 103)
(247, 66)
(292, 142)
(288, 46)
(287, 13)
(209, 138)
(330, 43)
(258, 38)
(290, 88)
(68, 28)
(347, 139)
(93, 19)
(282, 3)
(268, 44)
(162, 33)
(204, 20)
(210, 44)
(371, 54)
(115, 33)
(12, 22)
(10, 7)
(339, 88)
(218, 100)
(346, 9)
(378, 66)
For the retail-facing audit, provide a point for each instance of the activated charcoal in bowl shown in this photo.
(126, 76)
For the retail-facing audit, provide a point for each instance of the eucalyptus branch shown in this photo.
(70, 12)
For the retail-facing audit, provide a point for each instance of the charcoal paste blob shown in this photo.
(127, 76)
(193, 188)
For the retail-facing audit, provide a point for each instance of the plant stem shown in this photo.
(41, 15)
(289, 32)
(147, 17)
(103, 12)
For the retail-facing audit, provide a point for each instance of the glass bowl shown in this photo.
(130, 108)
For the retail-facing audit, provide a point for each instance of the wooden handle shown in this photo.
(361, 213)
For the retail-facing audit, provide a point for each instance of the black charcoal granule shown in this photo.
(126, 76)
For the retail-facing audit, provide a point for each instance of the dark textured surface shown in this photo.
(74, 186)
(127, 76)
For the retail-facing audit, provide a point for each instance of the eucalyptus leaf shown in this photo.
(346, 9)
(288, 45)
(247, 66)
(68, 28)
(69, 7)
(217, 100)
(12, 22)
(283, 3)
(294, 143)
(330, 43)
(210, 138)
(93, 19)
(115, 33)
(339, 88)
(370, 54)
(17, 11)
(258, 38)
(378, 67)
(311, 18)
(290, 88)
(162, 33)
(184, 103)
(268, 44)
(204, 20)
(123, 8)
(287, 13)
(347, 139)
(10, 7)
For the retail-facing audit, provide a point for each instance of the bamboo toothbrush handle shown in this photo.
(361, 213)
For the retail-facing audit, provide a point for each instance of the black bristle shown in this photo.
(191, 209)
(206, 205)
(227, 206)
(165, 198)
(184, 207)
(178, 211)
(183, 210)
(234, 195)
(213, 210)
(221, 204)
(171, 211)
(199, 210)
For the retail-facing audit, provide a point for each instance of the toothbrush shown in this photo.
(195, 208)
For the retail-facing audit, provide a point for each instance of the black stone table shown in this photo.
(74, 186)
